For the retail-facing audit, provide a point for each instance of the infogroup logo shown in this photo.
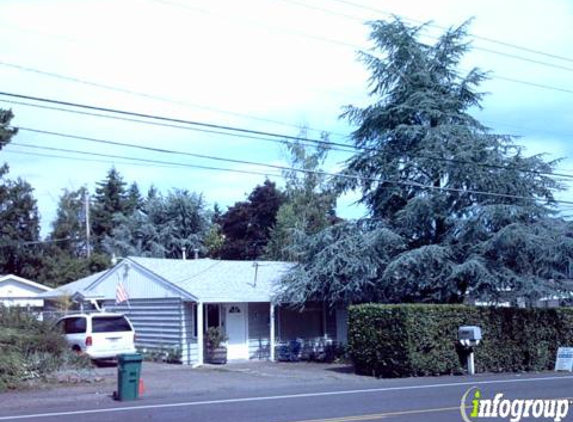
(473, 407)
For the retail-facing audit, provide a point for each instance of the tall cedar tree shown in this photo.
(468, 214)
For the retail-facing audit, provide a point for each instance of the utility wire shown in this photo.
(479, 37)
(321, 173)
(210, 157)
(349, 45)
(176, 126)
(248, 131)
(38, 242)
(149, 116)
(141, 160)
(477, 48)
(153, 96)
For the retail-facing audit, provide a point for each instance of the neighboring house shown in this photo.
(18, 291)
(170, 299)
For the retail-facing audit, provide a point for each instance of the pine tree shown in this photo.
(110, 199)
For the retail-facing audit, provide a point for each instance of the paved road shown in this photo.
(435, 399)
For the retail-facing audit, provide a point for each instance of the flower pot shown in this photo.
(217, 355)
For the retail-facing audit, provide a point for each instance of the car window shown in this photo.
(105, 324)
(75, 325)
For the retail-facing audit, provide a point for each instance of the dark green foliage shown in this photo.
(30, 348)
(70, 223)
(162, 227)
(412, 340)
(134, 199)
(20, 223)
(58, 267)
(6, 131)
(246, 225)
(474, 213)
(111, 199)
(341, 264)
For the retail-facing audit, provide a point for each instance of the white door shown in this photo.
(236, 325)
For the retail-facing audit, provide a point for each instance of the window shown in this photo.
(235, 310)
(74, 325)
(109, 324)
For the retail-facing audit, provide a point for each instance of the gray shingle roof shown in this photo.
(71, 288)
(206, 279)
(220, 281)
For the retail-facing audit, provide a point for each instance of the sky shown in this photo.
(262, 65)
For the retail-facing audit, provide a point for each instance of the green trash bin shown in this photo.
(128, 374)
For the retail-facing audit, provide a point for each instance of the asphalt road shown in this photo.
(414, 399)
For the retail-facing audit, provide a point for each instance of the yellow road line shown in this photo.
(380, 416)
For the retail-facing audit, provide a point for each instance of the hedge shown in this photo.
(414, 340)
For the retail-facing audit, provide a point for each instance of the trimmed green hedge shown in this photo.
(413, 340)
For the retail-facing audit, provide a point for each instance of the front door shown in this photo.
(236, 325)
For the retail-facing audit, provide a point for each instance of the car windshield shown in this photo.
(106, 324)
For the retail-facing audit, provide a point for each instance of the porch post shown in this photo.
(272, 334)
(200, 329)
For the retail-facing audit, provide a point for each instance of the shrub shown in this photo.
(30, 348)
(412, 340)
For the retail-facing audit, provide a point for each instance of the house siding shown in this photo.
(161, 324)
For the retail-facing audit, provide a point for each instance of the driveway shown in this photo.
(164, 381)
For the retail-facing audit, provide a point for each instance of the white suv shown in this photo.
(100, 335)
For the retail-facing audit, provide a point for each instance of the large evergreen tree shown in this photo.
(111, 198)
(475, 214)
(19, 228)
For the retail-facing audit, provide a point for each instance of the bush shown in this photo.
(30, 348)
(413, 340)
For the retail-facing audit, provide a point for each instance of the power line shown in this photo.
(153, 96)
(38, 242)
(322, 173)
(210, 157)
(150, 116)
(354, 46)
(477, 48)
(141, 160)
(243, 131)
(479, 37)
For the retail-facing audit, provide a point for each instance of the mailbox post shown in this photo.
(469, 336)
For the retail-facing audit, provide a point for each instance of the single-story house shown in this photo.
(172, 303)
(18, 291)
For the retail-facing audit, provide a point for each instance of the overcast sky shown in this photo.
(266, 65)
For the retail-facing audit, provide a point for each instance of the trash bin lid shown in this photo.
(130, 357)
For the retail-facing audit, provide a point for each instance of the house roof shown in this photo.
(24, 281)
(69, 289)
(204, 280)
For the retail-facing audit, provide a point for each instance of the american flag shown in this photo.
(120, 293)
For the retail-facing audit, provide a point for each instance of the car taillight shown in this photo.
(88, 340)
(134, 337)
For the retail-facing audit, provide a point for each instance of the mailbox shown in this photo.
(469, 335)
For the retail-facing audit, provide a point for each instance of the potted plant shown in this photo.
(216, 350)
